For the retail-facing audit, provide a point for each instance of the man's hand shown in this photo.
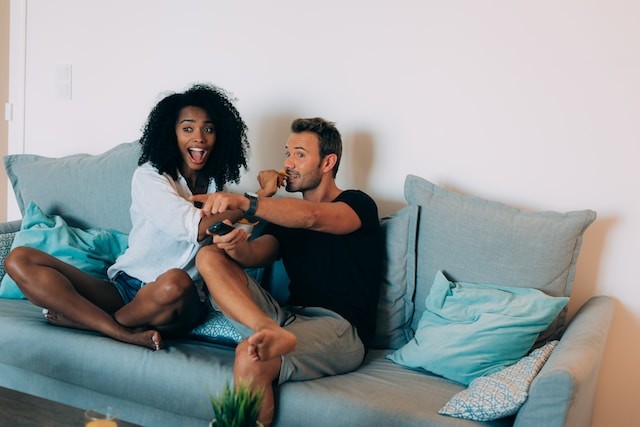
(215, 203)
(229, 241)
(270, 181)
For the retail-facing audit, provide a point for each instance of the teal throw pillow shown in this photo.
(469, 330)
(216, 328)
(91, 250)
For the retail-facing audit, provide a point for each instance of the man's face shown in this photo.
(303, 163)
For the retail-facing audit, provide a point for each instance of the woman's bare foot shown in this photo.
(269, 342)
(58, 319)
(146, 338)
(149, 338)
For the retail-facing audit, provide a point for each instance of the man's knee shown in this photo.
(209, 257)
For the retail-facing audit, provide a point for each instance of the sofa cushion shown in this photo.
(500, 394)
(469, 330)
(481, 241)
(395, 304)
(92, 250)
(89, 191)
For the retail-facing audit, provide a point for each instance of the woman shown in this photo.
(193, 142)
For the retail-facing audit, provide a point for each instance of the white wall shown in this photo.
(535, 104)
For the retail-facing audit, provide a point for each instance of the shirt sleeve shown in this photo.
(159, 199)
(363, 205)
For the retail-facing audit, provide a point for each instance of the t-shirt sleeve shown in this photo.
(363, 205)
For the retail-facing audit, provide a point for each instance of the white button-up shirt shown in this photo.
(164, 234)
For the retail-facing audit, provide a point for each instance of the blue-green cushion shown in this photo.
(395, 304)
(89, 191)
(91, 250)
(482, 241)
(469, 330)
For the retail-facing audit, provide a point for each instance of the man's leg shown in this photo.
(228, 285)
(259, 375)
(258, 358)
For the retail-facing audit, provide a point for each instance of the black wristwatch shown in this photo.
(253, 203)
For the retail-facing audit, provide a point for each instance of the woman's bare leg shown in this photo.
(77, 296)
(170, 304)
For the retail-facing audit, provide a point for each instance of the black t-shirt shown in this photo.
(338, 272)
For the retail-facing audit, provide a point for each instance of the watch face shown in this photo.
(251, 195)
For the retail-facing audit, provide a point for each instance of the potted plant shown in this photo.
(237, 407)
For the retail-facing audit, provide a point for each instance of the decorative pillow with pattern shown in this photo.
(216, 329)
(500, 394)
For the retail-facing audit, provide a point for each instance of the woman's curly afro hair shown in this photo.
(160, 144)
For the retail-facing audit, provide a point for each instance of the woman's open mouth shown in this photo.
(197, 155)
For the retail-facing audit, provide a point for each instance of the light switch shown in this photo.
(63, 81)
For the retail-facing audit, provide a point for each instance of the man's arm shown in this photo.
(328, 217)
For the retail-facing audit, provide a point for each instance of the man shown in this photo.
(330, 244)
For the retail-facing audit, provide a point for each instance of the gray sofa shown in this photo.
(473, 240)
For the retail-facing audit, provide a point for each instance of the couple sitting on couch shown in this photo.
(193, 144)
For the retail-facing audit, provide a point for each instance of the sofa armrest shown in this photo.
(563, 392)
(10, 227)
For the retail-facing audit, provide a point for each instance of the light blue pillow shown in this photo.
(91, 250)
(469, 330)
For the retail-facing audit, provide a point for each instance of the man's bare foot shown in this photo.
(269, 342)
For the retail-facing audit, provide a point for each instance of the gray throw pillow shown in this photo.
(395, 304)
(88, 191)
(482, 241)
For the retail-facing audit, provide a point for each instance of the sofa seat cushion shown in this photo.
(190, 370)
(379, 393)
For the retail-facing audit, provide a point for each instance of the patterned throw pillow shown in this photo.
(216, 329)
(6, 239)
(500, 394)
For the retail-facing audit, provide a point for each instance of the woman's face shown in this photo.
(196, 137)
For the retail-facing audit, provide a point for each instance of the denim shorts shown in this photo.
(127, 286)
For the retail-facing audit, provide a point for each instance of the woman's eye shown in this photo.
(209, 130)
(187, 129)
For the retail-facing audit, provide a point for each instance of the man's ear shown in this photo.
(329, 162)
